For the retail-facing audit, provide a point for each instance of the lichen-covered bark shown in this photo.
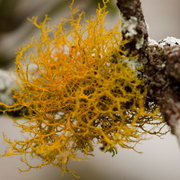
(162, 76)
(131, 9)
(162, 71)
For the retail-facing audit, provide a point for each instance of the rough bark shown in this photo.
(131, 9)
(161, 73)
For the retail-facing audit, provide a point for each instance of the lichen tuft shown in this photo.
(76, 92)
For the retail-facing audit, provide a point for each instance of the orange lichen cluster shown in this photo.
(75, 92)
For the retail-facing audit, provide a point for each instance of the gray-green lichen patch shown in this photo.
(152, 42)
(134, 63)
(6, 86)
(171, 41)
(139, 42)
(129, 26)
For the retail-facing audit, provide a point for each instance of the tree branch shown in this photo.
(133, 25)
(161, 73)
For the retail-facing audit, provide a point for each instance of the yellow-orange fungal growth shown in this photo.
(76, 92)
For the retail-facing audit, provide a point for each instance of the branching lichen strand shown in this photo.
(80, 93)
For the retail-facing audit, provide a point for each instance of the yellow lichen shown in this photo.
(75, 92)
